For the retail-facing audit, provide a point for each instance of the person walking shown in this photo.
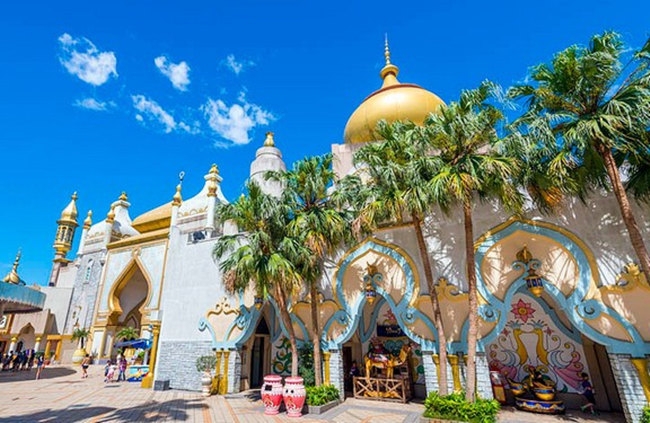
(587, 391)
(40, 363)
(85, 363)
(121, 377)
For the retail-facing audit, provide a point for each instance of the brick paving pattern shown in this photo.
(62, 396)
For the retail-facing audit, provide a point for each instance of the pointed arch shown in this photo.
(121, 282)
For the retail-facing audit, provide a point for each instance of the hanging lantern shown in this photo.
(258, 301)
(534, 282)
(371, 293)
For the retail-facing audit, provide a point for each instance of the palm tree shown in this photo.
(262, 254)
(584, 108)
(127, 333)
(80, 334)
(320, 224)
(468, 164)
(395, 190)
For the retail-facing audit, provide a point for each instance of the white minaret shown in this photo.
(268, 157)
(176, 203)
(84, 232)
(213, 178)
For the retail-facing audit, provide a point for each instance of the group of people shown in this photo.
(18, 360)
(113, 367)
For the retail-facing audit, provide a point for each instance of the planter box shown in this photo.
(319, 409)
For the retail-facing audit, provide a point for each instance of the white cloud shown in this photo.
(234, 122)
(153, 112)
(237, 66)
(178, 73)
(81, 58)
(93, 104)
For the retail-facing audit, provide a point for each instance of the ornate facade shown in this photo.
(558, 293)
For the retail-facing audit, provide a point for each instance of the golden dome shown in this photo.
(69, 214)
(393, 101)
(12, 276)
(88, 222)
(158, 218)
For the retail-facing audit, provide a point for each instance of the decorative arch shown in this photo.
(121, 282)
(579, 305)
(350, 313)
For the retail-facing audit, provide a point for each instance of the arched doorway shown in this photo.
(259, 353)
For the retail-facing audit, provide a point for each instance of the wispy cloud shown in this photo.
(234, 122)
(93, 104)
(152, 111)
(178, 73)
(237, 66)
(81, 58)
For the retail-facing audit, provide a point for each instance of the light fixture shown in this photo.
(534, 282)
(372, 276)
(258, 301)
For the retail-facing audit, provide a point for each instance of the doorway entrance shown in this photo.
(258, 354)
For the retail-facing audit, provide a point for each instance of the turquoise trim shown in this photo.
(21, 298)
(351, 314)
(574, 305)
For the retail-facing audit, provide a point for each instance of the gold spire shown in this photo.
(123, 196)
(110, 217)
(12, 276)
(88, 221)
(214, 170)
(389, 72)
(269, 142)
(69, 213)
(177, 199)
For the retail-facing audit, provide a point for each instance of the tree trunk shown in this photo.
(435, 303)
(472, 333)
(626, 211)
(286, 320)
(315, 334)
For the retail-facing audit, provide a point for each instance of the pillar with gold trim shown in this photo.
(147, 381)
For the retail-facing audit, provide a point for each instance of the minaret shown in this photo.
(268, 157)
(213, 177)
(177, 200)
(88, 221)
(64, 237)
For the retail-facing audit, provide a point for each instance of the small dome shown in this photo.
(393, 101)
(69, 214)
(158, 218)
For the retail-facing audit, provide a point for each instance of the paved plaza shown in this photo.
(63, 396)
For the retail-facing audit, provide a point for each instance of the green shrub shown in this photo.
(645, 417)
(319, 395)
(206, 363)
(306, 363)
(455, 407)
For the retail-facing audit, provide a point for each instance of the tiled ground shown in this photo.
(62, 396)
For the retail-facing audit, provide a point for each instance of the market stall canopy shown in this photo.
(142, 343)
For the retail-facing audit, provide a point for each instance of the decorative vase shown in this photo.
(272, 394)
(294, 396)
(206, 384)
(78, 355)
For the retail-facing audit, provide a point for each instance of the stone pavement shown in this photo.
(62, 396)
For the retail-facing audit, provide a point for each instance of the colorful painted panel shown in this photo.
(534, 337)
(281, 361)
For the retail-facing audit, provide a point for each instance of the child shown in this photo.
(588, 392)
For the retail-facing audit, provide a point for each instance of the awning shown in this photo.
(145, 344)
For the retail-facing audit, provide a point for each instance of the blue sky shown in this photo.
(101, 98)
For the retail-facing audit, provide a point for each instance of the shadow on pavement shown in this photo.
(47, 373)
(150, 412)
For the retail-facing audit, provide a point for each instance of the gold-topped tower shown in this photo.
(12, 276)
(67, 224)
(393, 101)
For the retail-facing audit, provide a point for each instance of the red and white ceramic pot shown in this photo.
(294, 396)
(272, 394)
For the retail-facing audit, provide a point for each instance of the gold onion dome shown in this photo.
(89, 220)
(393, 101)
(12, 276)
(69, 213)
(269, 141)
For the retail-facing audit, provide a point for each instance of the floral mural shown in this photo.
(534, 337)
(281, 362)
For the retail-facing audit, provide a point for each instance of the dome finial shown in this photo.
(386, 49)
(389, 72)
(269, 141)
(12, 276)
